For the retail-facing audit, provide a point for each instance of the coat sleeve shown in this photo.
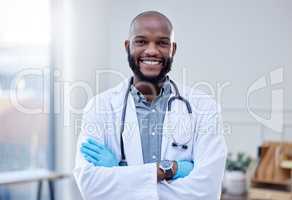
(209, 155)
(130, 182)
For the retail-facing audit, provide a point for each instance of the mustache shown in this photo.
(165, 62)
(135, 67)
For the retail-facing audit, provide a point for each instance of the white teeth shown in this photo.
(148, 62)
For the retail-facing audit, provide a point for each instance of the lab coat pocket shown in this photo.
(180, 136)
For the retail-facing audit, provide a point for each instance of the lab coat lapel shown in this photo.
(167, 128)
(131, 135)
(165, 136)
(178, 123)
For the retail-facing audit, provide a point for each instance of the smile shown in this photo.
(150, 61)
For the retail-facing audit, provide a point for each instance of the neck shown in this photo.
(148, 89)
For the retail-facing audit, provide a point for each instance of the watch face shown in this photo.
(166, 164)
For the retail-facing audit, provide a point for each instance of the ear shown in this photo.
(127, 44)
(173, 49)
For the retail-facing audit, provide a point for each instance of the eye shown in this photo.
(163, 43)
(140, 42)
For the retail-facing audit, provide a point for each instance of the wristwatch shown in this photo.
(166, 166)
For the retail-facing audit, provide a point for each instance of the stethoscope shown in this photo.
(174, 144)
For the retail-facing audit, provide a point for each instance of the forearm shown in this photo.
(99, 182)
(202, 183)
(113, 183)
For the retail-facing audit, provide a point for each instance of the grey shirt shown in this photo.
(150, 118)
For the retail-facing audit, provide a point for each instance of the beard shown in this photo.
(166, 67)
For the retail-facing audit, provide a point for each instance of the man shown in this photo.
(148, 138)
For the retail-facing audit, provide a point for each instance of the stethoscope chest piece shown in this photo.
(180, 127)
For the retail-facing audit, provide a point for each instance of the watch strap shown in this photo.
(168, 174)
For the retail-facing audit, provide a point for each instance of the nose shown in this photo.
(151, 50)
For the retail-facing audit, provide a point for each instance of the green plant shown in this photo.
(239, 163)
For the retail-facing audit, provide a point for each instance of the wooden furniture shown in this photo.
(272, 177)
(268, 194)
(36, 175)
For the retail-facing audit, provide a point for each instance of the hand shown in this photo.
(98, 154)
(160, 173)
(184, 167)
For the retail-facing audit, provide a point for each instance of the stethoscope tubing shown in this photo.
(177, 96)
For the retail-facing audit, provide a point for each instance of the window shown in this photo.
(24, 89)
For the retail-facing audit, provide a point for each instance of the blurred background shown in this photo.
(56, 54)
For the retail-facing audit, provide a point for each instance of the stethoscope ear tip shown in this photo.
(183, 146)
(174, 144)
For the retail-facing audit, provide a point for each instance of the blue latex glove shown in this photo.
(184, 167)
(98, 154)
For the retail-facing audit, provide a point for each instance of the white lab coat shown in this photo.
(138, 181)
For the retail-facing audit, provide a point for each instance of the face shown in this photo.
(150, 48)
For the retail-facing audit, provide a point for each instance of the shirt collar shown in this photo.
(138, 96)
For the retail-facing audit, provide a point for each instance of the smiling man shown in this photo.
(149, 138)
(150, 47)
